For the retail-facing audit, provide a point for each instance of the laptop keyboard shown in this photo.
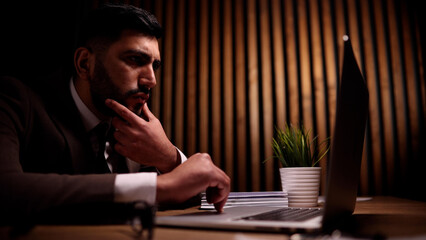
(287, 214)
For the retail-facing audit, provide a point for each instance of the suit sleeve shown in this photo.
(24, 193)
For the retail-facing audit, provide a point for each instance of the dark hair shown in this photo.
(105, 24)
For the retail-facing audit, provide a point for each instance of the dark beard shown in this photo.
(101, 88)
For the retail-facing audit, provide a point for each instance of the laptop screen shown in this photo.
(347, 141)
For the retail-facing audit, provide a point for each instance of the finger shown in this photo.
(218, 194)
(121, 125)
(121, 149)
(121, 137)
(122, 111)
(219, 206)
(147, 113)
(218, 197)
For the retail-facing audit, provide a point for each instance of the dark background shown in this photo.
(37, 37)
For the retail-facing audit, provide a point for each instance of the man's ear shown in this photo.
(82, 62)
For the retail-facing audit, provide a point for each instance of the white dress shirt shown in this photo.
(133, 186)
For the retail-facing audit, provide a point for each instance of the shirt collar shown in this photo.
(90, 120)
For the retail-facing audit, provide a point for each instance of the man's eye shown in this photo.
(156, 65)
(135, 60)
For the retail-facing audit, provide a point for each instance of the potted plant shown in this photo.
(299, 156)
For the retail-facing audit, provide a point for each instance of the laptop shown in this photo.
(342, 181)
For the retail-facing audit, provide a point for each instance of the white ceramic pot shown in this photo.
(302, 185)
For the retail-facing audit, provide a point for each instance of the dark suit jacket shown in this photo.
(46, 160)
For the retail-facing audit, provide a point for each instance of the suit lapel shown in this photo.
(67, 118)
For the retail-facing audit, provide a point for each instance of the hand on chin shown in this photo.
(135, 105)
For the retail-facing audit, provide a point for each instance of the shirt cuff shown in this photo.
(183, 158)
(136, 187)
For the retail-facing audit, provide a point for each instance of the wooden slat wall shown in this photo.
(233, 70)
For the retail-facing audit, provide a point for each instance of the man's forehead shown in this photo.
(132, 41)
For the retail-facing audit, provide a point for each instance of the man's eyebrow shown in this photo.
(137, 52)
(142, 54)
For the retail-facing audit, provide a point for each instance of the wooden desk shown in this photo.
(390, 216)
(385, 216)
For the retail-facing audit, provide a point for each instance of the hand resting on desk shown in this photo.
(195, 175)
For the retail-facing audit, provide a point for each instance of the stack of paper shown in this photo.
(271, 199)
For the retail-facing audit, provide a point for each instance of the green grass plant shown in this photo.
(293, 147)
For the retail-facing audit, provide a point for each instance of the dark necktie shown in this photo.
(101, 133)
(118, 162)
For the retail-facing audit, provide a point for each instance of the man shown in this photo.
(52, 154)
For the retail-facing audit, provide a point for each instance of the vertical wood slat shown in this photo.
(179, 74)
(267, 95)
(384, 90)
(253, 84)
(330, 63)
(340, 25)
(399, 126)
(191, 86)
(167, 81)
(228, 89)
(216, 87)
(240, 86)
(203, 76)
(278, 63)
(305, 66)
(318, 77)
(293, 91)
(329, 75)
(400, 93)
(156, 94)
(231, 71)
(409, 87)
(279, 77)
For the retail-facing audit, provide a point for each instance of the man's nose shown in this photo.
(147, 77)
